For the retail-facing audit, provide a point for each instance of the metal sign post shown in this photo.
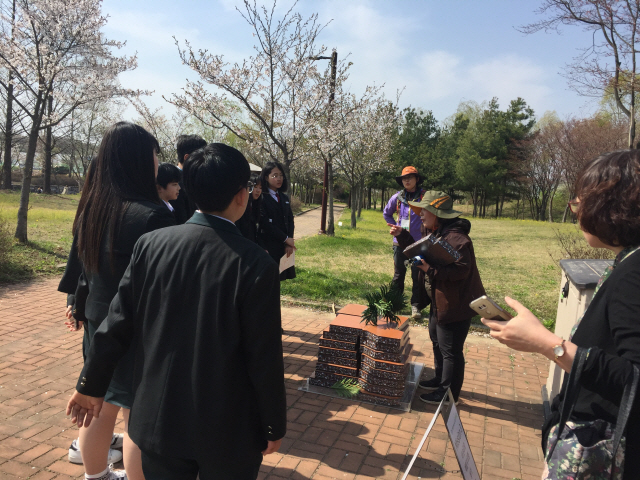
(457, 436)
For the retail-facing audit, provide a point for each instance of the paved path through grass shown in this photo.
(327, 438)
(308, 223)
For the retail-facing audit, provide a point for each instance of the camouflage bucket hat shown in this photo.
(438, 203)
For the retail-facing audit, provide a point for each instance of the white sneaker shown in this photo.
(117, 440)
(415, 313)
(75, 456)
(117, 474)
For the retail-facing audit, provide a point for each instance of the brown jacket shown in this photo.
(453, 286)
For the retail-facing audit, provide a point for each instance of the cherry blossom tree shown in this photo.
(165, 129)
(279, 89)
(55, 48)
(364, 128)
(78, 137)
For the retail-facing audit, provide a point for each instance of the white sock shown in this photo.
(99, 476)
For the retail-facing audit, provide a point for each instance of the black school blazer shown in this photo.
(201, 306)
(276, 223)
(142, 216)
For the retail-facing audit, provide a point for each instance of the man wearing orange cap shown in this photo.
(398, 204)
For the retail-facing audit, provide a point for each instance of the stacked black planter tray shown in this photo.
(377, 358)
(384, 363)
(338, 353)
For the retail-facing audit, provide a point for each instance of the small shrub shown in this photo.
(573, 245)
(296, 205)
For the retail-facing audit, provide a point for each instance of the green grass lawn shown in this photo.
(49, 233)
(514, 256)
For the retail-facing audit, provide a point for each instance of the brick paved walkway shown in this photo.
(327, 438)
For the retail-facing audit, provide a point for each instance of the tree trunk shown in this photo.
(48, 147)
(330, 226)
(360, 198)
(287, 172)
(632, 117)
(564, 215)
(8, 131)
(8, 136)
(474, 197)
(382, 199)
(551, 207)
(369, 200)
(532, 208)
(353, 207)
(21, 228)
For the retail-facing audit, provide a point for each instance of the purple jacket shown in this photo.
(415, 223)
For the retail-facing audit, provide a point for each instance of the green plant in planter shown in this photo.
(384, 304)
(346, 388)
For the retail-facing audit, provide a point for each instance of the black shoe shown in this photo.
(429, 385)
(435, 397)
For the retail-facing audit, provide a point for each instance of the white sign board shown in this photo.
(461, 445)
(458, 440)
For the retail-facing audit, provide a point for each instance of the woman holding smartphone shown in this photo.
(119, 206)
(451, 288)
(607, 205)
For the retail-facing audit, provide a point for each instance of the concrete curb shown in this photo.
(306, 211)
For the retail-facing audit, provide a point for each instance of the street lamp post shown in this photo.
(325, 182)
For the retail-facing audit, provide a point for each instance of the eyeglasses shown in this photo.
(574, 206)
(250, 186)
(276, 175)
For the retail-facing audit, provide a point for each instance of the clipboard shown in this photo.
(435, 250)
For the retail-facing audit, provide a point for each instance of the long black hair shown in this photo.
(266, 170)
(123, 170)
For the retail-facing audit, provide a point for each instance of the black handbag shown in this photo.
(588, 449)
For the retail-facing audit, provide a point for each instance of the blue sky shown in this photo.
(440, 52)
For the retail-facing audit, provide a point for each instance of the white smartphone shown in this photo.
(487, 308)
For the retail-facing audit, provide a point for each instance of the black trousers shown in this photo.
(400, 271)
(631, 463)
(448, 343)
(161, 467)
